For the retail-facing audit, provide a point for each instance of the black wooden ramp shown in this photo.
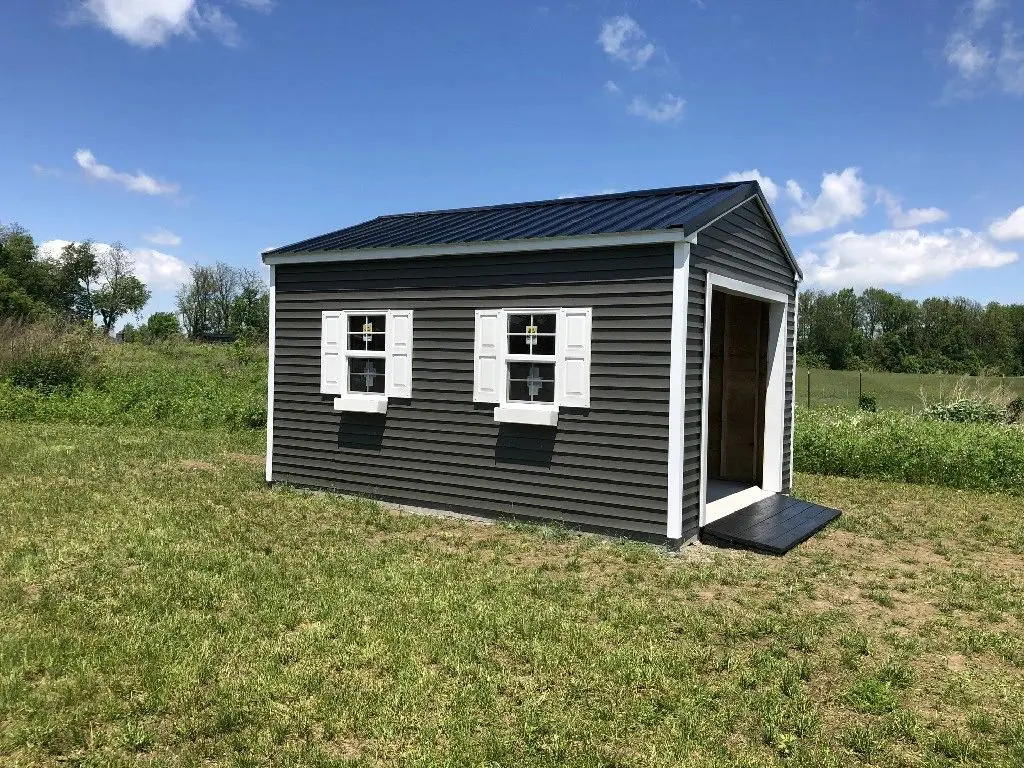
(775, 525)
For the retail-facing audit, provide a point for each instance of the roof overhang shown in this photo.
(744, 194)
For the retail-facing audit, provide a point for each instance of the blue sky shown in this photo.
(892, 133)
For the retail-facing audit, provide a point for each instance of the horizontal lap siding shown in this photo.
(742, 246)
(603, 468)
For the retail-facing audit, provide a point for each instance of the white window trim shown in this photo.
(536, 413)
(369, 402)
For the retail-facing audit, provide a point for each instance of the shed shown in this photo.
(620, 362)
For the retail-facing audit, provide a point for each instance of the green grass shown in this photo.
(893, 445)
(159, 605)
(893, 390)
(180, 385)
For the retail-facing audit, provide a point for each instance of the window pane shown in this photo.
(366, 342)
(356, 323)
(518, 323)
(544, 323)
(366, 332)
(366, 374)
(531, 334)
(531, 382)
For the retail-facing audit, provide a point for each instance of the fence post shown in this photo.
(808, 387)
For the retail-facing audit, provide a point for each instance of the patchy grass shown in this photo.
(160, 605)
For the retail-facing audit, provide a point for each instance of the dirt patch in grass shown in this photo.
(190, 465)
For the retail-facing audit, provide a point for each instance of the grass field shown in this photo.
(893, 390)
(159, 605)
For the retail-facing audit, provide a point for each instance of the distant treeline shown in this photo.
(879, 330)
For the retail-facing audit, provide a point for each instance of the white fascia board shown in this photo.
(362, 404)
(480, 248)
(543, 416)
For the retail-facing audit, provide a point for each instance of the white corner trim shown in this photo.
(775, 397)
(792, 403)
(677, 388)
(272, 342)
(362, 403)
(480, 248)
(527, 414)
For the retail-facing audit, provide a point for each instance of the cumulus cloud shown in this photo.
(161, 236)
(769, 187)
(841, 200)
(899, 257)
(612, 87)
(668, 109)
(133, 182)
(149, 23)
(623, 39)
(1010, 228)
(159, 271)
(915, 217)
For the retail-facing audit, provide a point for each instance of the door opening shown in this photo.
(738, 373)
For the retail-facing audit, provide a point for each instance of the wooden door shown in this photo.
(742, 377)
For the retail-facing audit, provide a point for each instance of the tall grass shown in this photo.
(176, 384)
(893, 445)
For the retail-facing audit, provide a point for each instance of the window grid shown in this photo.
(530, 357)
(366, 353)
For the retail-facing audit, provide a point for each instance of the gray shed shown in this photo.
(621, 362)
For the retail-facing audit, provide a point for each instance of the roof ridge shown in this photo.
(636, 193)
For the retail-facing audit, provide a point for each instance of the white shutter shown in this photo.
(398, 342)
(332, 352)
(487, 352)
(574, 357)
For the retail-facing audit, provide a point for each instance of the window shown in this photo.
(530, 362)
(365, 358)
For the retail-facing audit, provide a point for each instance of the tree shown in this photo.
(225, 289)
(77, 272)
(120, 291)
(250, 308)
(195, 301)
(160, 326)
(28, 283)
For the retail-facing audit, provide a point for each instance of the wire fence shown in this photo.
(890, 390)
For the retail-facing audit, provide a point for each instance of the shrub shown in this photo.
(47, 357)
(910, 448)
(868, 402)
(967, 404)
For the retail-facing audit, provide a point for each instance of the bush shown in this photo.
(47, 357)
(911, 448)
(868, 402)
(977, 404)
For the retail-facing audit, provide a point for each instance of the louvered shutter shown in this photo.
(487, 350)
(332, 352)
(398, 343)
(574, 357)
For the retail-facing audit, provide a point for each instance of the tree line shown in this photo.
(82, 284)
(96, 286)
(880, 330)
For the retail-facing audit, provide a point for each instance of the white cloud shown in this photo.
(915, 217)
(769, 187)
(899, 257)
(979, 56)
(841, 200)
(137, 182)
(612, 87)
(159, 271)
(1010, 228)
(149, 23)
(161, 236)
(570, 195)
(42, 170)
(668, 109)
(1011, 62)
(623, 39)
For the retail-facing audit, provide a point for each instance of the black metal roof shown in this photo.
(651, 209)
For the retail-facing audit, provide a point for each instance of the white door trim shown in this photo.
(677, 388)
(775, 399)
(272, 342)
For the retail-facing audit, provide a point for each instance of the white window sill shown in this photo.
(362, 403)
(541, 415)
